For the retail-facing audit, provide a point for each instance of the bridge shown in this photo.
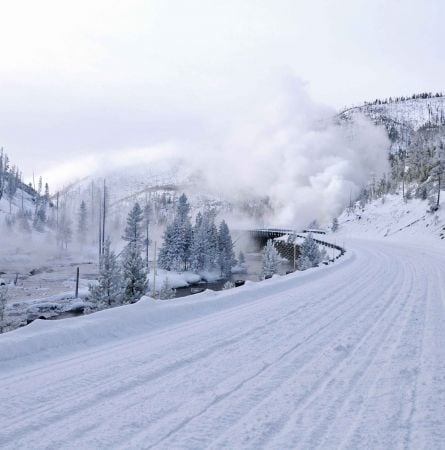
(288, 250)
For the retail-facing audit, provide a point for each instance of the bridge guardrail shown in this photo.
(278, 232)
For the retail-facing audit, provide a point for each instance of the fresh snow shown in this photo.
(350, 355)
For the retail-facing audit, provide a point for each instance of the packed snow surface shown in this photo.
(348, 356)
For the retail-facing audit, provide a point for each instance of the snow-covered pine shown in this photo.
(226, 257)
(310, 255)
(175, 251)
(109, 287)
(133, 266)
(133, 233)
(3, 301)
(82, 225)
(271, 259)
(334, 226)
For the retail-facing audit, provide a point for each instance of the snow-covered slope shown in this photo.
(350, 356)
(402, 119)
(392, 217)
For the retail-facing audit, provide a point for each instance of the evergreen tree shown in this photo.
(3, 165)
(309, 254)
(175, 251)
(109, 288)
(198, 247)
(12, 186)
(82, 225)
(147, 219)
(133, 232)
(3, 301)
(271, 259)
(334, 226)
(226, 257)
(134, 269)
(134, 273)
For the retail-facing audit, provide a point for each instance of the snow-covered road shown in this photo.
(351, 356)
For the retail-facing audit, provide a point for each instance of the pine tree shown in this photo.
(82, 225)
(175, 251)
(109, 288)
(12, 186)
(3, 301)
(134, 273)
(334, 226)
(309, 254)
(271, 259)
(133, 266)
(133, 232)
(147, 220)
(198, 246)
(64, 230)
(226, 257)
(3, 157)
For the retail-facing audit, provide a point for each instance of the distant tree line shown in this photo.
(422, 95)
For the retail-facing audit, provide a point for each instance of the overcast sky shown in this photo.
(90, 76)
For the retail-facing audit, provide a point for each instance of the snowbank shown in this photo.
(50, 339)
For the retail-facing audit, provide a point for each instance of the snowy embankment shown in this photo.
(48, 339)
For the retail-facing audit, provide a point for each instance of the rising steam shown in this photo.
(275, 144)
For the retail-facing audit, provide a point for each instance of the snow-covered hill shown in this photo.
(402, 119)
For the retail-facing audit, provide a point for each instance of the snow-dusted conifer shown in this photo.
(175, 251)
(226, 257)
(271, 259)
(133, 266)
(109, 287)
(133, 232)
(334, 226)
(309, 254)
(82, 225)
(3, 301)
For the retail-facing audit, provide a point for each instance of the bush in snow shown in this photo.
(271, 259)
(228, 285)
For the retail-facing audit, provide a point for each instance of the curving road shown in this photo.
(349, 357)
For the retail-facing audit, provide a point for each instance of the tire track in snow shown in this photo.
(232, 403)
(119, 388)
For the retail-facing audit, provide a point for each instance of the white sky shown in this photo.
(89, 76)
